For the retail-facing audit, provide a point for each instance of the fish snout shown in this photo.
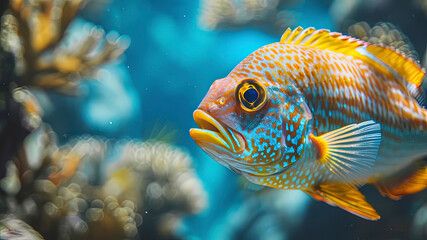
(212, 133)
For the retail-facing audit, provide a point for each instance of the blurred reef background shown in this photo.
(96, 99)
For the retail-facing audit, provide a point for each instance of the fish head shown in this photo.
(242, 125)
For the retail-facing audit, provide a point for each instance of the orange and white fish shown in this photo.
(323, 113)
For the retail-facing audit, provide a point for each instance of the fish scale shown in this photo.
(330, 85)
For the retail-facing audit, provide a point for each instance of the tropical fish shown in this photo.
(320, 112)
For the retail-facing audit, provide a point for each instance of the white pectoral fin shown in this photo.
(350, 152)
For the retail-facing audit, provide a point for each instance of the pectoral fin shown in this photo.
(349, 152)
(346, 197)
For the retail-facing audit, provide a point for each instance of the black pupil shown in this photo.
(251, 95)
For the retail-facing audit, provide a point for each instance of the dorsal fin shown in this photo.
(384, 59)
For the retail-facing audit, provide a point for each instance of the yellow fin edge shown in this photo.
(346, 197)
(409, 181)
(325, 40)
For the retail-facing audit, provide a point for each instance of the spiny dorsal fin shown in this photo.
(384, 59)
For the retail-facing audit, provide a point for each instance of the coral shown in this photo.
(160, 179)
(386, 34)
(33, 32)
(54, 196)
(64, 194)
(33, 54)
(218, 14)
(12, 228)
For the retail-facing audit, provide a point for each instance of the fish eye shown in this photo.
(251, 95)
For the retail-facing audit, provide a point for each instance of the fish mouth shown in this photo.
(212, 133)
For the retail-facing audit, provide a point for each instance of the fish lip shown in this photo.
(212, 131)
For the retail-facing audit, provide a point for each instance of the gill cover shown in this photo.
(296, 125)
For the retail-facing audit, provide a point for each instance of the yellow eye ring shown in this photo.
(251, 95)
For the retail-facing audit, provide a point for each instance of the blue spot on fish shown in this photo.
(296, 118)
(299, 149)
(293, 159)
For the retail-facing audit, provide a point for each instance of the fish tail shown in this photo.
(411, 179)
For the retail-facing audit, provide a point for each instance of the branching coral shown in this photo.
(32, 36)
(159, 177)
(63, 195)
(43, 61)
(217, 14)
(54, 196)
